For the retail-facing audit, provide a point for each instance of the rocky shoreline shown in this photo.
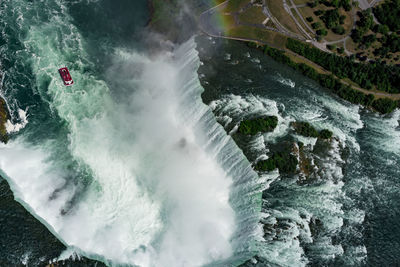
(4, 116)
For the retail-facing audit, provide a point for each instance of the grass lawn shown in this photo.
(301, 22)
(277, 10)
(271, 38)
(252, 15)
(236, 5)
(300, 2)
(351, 46)
(348, 25)
(309, 12)
(270, 24)
(229, 21)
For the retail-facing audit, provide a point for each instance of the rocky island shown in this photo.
(3, 120)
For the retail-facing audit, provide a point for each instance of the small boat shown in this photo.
(64, 72)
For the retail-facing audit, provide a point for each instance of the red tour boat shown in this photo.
(66, 76)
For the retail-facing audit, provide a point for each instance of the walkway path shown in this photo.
(209, 25)
(289, 11)
(300, 16)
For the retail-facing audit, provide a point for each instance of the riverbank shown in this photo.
(356, 82)
(3, 120)
(331, 82)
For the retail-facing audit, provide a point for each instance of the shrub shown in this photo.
(318, 12)
(316, 25)
(384, 105)
(305, 129)
(254, 126)
(322, 32)
(338, 30)
(325, 134)
(331, 47)
(284, 161)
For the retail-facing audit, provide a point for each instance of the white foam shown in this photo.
(147, 189)
(25, 258)
(16, 127)
(237, 108)
(146, 178)
(385, 131)
(286, 81)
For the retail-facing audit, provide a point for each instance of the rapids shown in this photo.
(133, 169)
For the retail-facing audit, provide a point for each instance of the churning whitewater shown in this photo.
(140, 174)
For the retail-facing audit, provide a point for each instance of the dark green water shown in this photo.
(104, 25)
(346, 214)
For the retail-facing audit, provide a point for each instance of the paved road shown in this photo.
(363, 4)
(280, 27)
(344, 39)
(289, 11)
(301, 17)
(209, 26)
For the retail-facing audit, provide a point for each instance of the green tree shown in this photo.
(331, 47)
(338, 30)
(316, 25)
(322, 32)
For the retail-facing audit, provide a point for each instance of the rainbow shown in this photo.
(222, 18)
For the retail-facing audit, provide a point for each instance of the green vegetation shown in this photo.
(365, 24)
(345, 4)
(332, 18)
(382, 37)
(383, 29)
(254, 126)
(284, 161)
(3, 120)
(388, 14)
(325, 134)
(333, 84)
(306, 129)
(339, 29)
(331, 47)
(322, 32)
(318, 12)
(390, 43)
(385, 78)
(235, 5)
(316, 25)
(384, 105)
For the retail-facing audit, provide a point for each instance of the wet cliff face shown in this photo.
(3, 120)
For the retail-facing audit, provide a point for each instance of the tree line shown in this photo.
(382, 105)
(385, 78)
